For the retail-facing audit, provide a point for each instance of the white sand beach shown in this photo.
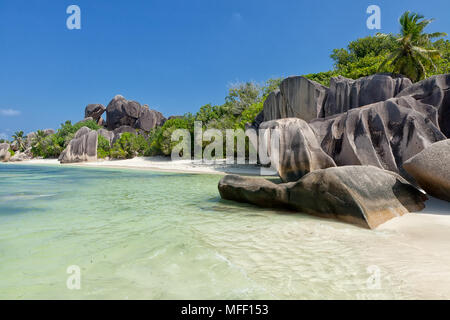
(163, 164)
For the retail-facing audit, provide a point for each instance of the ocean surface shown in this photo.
(148, 235)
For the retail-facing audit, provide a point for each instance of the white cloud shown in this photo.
(9, 112)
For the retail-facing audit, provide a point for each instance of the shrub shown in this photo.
(129, 146)
(103, 147)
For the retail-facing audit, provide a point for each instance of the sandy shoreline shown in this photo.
(160, 164)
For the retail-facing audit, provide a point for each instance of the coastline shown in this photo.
(161, 164)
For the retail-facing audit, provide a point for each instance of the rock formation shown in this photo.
(345, 94)
(5, 155)
(21, 156)
(298, 97)
(149, 119)
(362, 195)
(95, 112)
(299, 151)
(431, 169)
(383, 134)
(83, 147)
(122, 112)
(434, 91)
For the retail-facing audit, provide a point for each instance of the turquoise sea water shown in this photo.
(148, 235)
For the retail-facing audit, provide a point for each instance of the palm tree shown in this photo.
(19, 138)
(414, 54)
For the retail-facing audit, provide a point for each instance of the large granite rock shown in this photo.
(299, 151)
(361, 195)
(21, 156)
(298, 97)
(149, 119)
(434, 91)
(345, 94)
(5, 155)
(83, 147)
(384, 134)
(431, 169)
(95, 112)
(122, 112)
(257, 191)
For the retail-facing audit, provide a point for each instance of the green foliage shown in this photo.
(128, 146)
(11, 152)
(19, 138)
(414, 54)
(52, 145)
(161, 139)
(249, 115)
(322, 77)
(241, 96)
(103, 147)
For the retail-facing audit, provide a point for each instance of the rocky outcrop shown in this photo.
(5, 155)
(21, 156)
(431, 169)
(108, 135)
(299, 151)
(95, 112)
(345, 94)
(122, 112)
(149, 119)
(383, 134)
(434, 91)
(83, 147)
(257, 191)
(298, 97)
(361, 195)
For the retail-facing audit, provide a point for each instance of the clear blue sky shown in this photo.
(174, 55)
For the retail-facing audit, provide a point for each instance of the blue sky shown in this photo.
(174, 56)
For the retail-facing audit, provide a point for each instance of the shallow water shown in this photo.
(147, 235)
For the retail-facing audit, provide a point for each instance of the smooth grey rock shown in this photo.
(149, 119)
(345, 94)
(5, 155)
(256, 191)
(122, 112)
(20, 156)
(94, 111)
(384, 134)
(362, 195)
(434, 91)
(431, 169)
(299, 151)
(298, 97)
(83, 147)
